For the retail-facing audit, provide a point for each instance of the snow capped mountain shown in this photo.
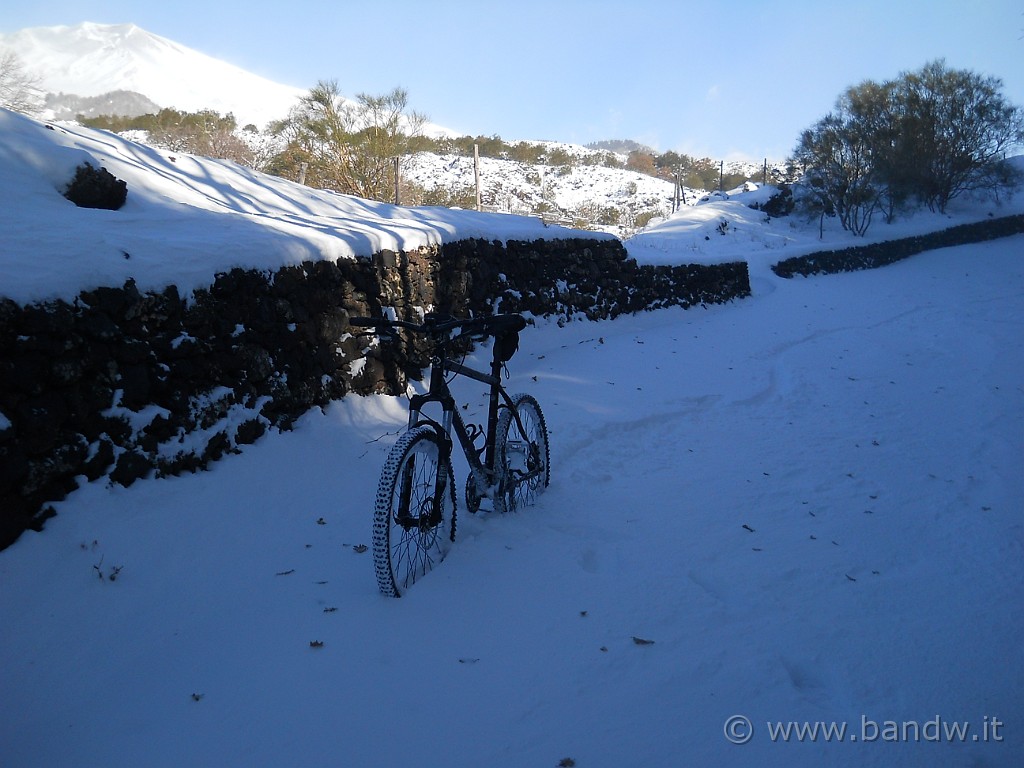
(92, 59)
(88, 60)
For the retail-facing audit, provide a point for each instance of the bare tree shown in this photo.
(925, 138)
(20, 90)
(962, 126)
(838, 171)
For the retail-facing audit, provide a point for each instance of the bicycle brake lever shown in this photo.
(384, 334)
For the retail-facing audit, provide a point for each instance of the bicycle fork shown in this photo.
(430, 513)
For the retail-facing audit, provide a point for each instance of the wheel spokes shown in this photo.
(416, 518)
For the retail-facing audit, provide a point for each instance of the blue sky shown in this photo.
(717, 79)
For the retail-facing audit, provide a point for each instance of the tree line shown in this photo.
(919, 140)
(207, 133)
(697, 173)
(351, 145)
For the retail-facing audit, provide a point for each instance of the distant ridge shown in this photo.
(622, 146)
(64, 106)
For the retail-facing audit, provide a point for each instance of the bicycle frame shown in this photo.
(482, 470)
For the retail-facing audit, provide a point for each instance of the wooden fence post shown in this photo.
(476, 172)
(398, 178)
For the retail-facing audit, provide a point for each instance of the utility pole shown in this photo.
(476, 172)
(398, 172)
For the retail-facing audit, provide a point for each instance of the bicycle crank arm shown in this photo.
(523, 476)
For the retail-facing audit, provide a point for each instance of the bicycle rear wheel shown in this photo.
(412, 534)
(521, 455)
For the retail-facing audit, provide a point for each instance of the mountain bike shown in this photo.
(414, 513)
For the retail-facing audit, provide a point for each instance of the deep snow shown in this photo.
(809, 500)
(187, 218)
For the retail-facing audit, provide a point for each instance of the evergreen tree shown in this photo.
(348, 146)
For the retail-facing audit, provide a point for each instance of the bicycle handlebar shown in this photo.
(436, 325)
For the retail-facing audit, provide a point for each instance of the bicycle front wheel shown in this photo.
(414, 515)
(521, 461)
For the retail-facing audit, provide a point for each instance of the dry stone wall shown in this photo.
(122, 384)
(880, 254)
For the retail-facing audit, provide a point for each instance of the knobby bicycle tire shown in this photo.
(407, 544)
(522, 461)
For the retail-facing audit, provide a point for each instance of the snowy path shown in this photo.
(810, 501)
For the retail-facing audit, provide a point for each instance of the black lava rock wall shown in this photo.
(124, 384)
(880, 254)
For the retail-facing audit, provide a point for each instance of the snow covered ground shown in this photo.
(804, 507)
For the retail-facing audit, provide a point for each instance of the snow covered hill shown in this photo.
(605, 198)
(251, 219)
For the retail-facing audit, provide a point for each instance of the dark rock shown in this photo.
(98, 325)
(92, 188)
(54, 470)
(217, 446)
(40, 421)
(13, 468)
(249, 431)
(256, 361)
(131, 466)
(96, 465)
(135, 384)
